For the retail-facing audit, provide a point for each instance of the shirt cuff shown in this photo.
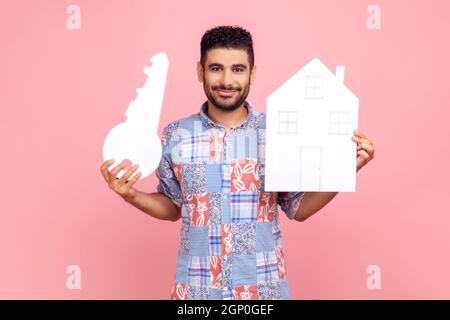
(293, 205)
(161, 189)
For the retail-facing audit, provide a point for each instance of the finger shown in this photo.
(367, 147)
(359, 133)
(364, 154)
(361, 141)
(117, 168)
(129, 184)
(358, 139)
(106, 164)
(133, 180)
(128, 173)
(104, 168)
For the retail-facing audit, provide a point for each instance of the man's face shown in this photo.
(226, 77)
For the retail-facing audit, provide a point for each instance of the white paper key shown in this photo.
(136, 139)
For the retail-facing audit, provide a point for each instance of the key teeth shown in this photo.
(160, 58)
(147, 70)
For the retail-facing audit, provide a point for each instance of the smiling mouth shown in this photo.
(226, 93)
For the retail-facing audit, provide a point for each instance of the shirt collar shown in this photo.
(210, 123)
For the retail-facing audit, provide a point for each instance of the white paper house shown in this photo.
(309, 126)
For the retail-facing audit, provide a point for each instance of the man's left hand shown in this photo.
(365, 149)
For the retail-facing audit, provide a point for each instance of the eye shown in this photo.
(239, 69)
(215, 68)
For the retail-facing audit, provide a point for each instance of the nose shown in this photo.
(227, 80)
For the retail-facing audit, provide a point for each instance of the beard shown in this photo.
(227, 103)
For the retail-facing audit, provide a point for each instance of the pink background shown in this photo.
(62, 90)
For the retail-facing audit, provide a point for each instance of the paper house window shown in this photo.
(338, 122)
(314, 87)
(287, 122)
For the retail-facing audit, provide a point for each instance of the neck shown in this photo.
(228, 119)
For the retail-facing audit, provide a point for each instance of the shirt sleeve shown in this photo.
(168, 181)
(290, 202)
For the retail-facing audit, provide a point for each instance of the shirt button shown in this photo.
(224, 196)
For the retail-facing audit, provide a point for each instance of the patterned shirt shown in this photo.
(230, 237)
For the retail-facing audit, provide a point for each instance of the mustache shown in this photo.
(223, 88)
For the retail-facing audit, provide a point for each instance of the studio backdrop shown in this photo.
(69, 69)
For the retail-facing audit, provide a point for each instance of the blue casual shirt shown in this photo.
(230, 237)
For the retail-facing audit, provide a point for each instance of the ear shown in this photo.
(199, 71)
(253, 74)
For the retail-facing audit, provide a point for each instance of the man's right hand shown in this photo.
(122, 186)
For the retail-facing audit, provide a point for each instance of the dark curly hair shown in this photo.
(229, 37)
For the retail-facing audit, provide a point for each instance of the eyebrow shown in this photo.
(221, 65)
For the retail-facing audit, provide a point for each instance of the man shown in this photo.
(211, 175)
